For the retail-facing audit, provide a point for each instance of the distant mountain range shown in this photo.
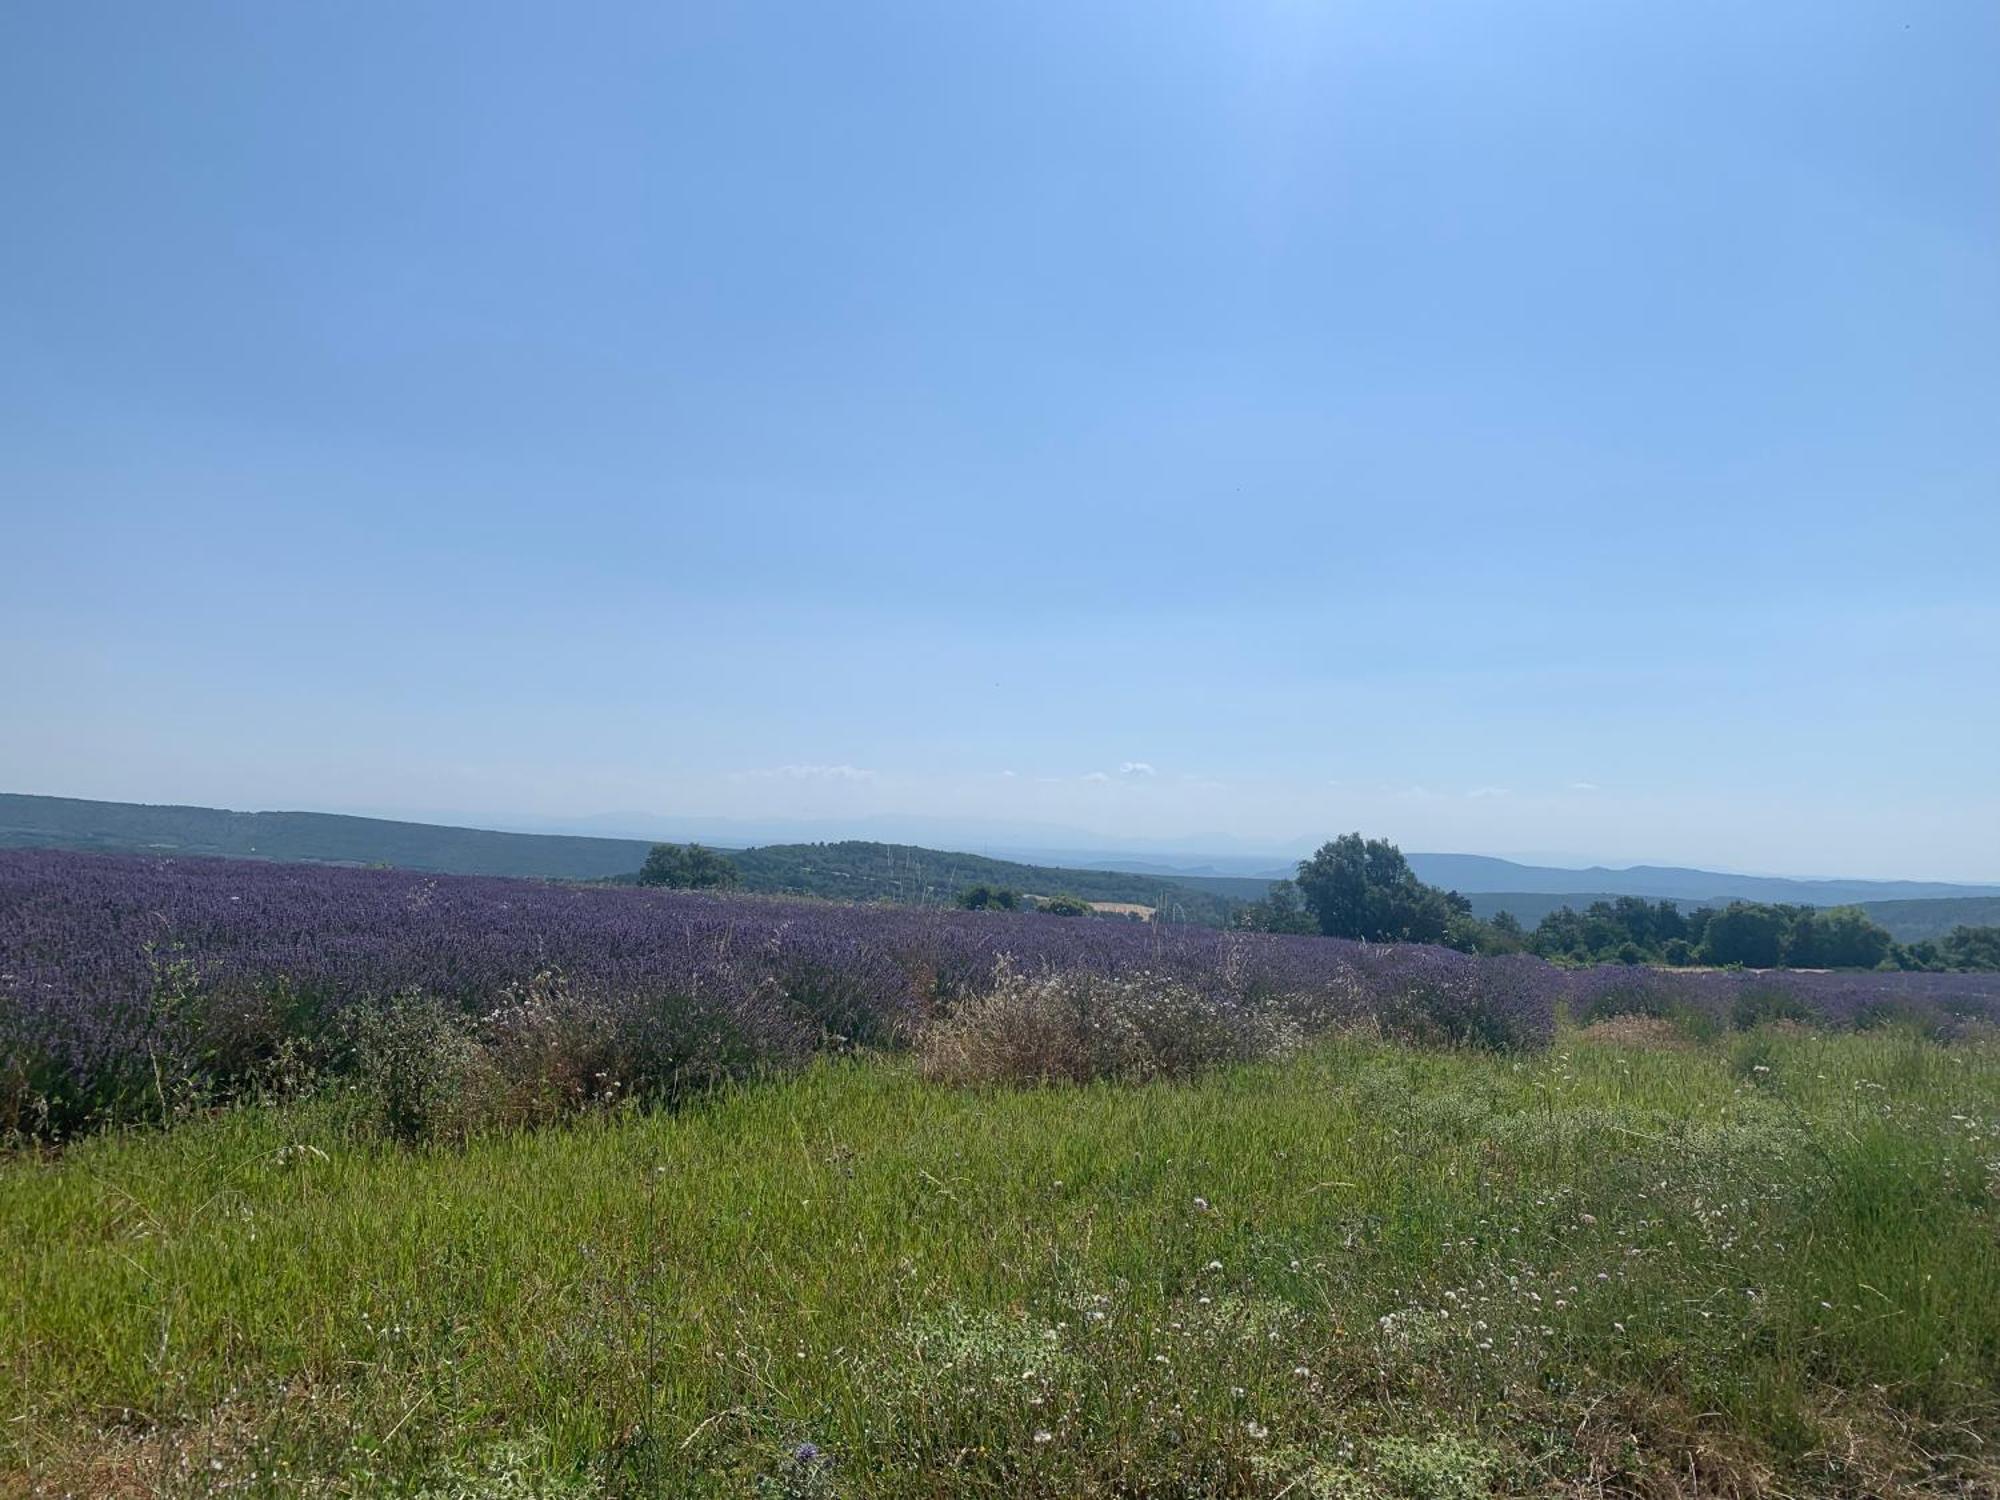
(1478, 872)
(1202, 889)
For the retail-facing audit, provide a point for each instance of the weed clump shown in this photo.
(1080, 1028)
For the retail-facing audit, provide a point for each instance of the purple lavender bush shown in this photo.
(1709, 1001)
(132, 986)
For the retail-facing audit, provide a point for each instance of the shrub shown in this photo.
(1608, 993)
(989, 898)
(1926, 1020)
(1761, 1004)
(846, 993)
(415, 1061)
(1075, 1028)
(1066, 906)
(1434, 996)
(1637, 1031)
(552, 1053)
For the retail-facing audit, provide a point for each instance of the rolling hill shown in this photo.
(1913, 921)
(861, 870)
(853, 870)
(328, 838)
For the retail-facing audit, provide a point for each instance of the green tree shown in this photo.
(1845, 938)
(687, 867)
(1468, 934)
(1972, 948)
(1697, 925)
(989, 898)
(1615, 930)
(1923, 956)
(1066, 906)
(1364, 888)
(1283, 909)
(1561, 934)
(1749, 933)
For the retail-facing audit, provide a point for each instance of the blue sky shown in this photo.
(1543, 428)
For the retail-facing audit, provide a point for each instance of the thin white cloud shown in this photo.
(1007, 775)
(1135, 768)
(1488, 791)
(1096, 776)
(1584, 786)
(806, 773)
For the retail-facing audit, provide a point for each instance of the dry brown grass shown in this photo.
(1076, 1028)
(1651, 1032)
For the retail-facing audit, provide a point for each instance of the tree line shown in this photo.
(1355, 887)
(692, 867)
(1364, 888)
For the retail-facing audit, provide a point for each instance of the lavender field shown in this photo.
(130, 984)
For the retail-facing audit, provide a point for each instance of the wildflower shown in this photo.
(1043, 1435)
(806, 1453)
(1257, 1430)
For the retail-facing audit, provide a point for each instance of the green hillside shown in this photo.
(852, 871)
(1231, 888)
(331, 838)
(1913, 921)
(860, 871)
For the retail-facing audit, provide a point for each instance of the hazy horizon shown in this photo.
(1560, 427)
(1048, 843)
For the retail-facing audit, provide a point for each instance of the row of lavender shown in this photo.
(117, 973)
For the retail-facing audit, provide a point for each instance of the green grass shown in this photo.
(1768, 1266)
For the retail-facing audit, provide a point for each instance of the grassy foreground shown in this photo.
(1767, 1266)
